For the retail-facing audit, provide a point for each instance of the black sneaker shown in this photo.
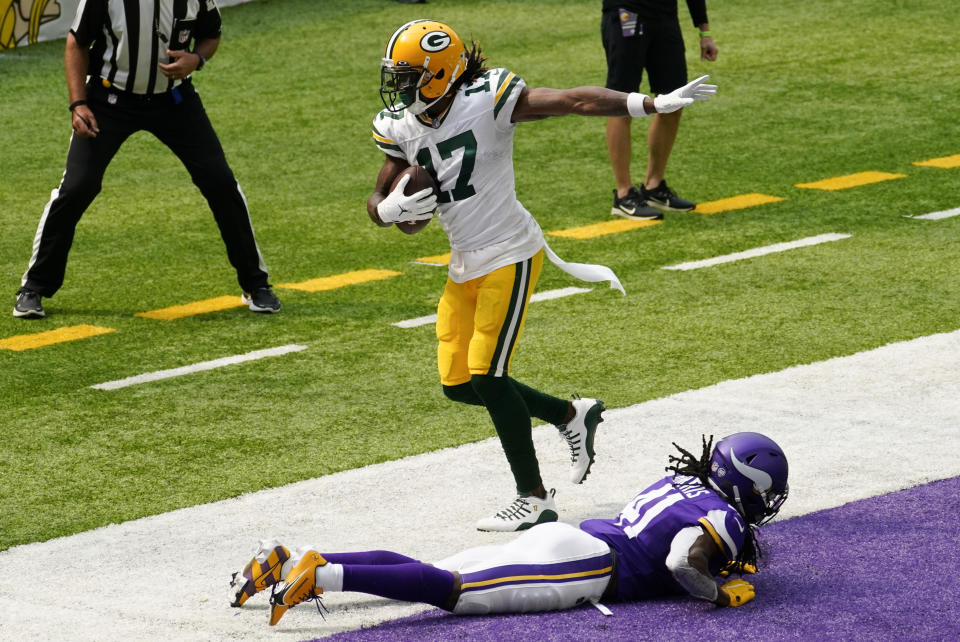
(262, 300)
(632, 206)
(665, 198)
(28, 305)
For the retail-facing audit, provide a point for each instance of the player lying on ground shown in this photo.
(445, 111)
(672, 538)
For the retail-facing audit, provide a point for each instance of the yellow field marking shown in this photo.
(191, 309)
(340, 280)
(735, 203)
(851, 180)
(602, 229)
(439, 259)
(50, 337)
(944, 162)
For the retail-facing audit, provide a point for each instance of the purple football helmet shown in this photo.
(749, 470)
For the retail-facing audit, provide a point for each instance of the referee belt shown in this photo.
(96, 89)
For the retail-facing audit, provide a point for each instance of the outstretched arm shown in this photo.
(539, 103)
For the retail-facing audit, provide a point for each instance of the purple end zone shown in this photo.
(884, 568)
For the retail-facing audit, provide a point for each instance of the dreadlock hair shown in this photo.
(688, 464)
(474, 69)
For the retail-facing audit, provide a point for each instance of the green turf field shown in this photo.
(807, 91)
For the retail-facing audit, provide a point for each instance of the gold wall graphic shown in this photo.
(20, 20)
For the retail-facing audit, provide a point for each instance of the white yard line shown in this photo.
(936, 216)
(758, 251)
(539, 296)
(557, 294)
(415, 323)
(157, 375)
(852, 427)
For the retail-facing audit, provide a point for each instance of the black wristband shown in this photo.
(76, 104)
(203, 61)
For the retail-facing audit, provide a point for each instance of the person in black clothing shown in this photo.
(638, 35)
(140, 81)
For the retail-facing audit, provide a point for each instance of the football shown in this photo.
(420, 179)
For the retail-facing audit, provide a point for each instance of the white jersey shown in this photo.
(470, 153)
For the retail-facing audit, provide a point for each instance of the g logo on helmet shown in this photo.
(435, 41)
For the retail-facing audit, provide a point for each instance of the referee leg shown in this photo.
(87, 160)
(187, 131)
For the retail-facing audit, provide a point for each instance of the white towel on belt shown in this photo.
(585, 271)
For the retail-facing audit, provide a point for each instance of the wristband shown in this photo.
(202, 62)
(706, 34)
(635, 104)
(76, 104)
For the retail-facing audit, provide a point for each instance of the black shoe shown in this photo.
(28, 305)
(665, 198)
(262, 300)
(632, 206)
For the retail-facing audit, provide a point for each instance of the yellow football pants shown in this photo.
(479, 321)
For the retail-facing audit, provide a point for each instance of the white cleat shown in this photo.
(579, 434)
(524, 512)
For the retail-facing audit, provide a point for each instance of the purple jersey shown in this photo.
(642, 532)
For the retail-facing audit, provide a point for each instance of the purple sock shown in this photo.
(410, 582)
(370, 558)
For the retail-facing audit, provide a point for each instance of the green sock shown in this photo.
(463, 393)
(511, 418)
(540, 405)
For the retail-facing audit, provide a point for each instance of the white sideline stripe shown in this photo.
(165, 577)
(198, 367)
(539, 296)
(758, 251)
(936, 216)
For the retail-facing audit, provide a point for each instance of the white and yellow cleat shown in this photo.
(298, 586)
(264, 570)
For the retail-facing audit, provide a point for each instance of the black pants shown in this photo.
(657, 46)
(183, 127)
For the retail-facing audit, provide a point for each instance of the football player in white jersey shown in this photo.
(445, 111)
(673, 538)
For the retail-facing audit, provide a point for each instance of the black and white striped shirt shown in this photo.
(130, 37)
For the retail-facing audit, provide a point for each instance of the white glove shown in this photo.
(399, 208)
(684, 97)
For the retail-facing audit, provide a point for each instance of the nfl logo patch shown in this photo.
(184, 36)
(112, 99)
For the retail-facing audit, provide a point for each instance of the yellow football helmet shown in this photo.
(422, 61)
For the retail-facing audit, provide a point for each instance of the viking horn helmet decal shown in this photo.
(762, 482)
